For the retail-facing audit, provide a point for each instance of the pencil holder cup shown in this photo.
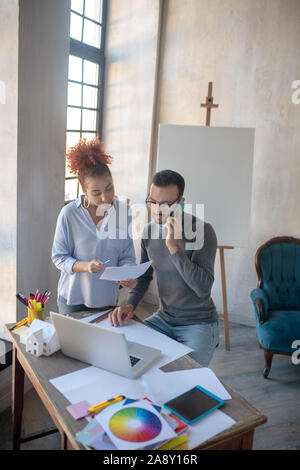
(32, 314)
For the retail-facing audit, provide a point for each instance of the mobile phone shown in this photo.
(194, 404)
(180, 206)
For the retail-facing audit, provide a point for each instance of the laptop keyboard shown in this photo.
(134, 360)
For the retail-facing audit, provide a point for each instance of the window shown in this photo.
(85, 77)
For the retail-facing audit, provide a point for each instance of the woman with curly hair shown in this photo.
(83, 238)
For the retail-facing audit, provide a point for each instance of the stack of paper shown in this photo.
(93, 386)
(87, 384)
(131, 425)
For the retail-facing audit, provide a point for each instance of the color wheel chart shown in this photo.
(135, 425)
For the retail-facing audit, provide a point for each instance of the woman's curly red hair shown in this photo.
(88, 159)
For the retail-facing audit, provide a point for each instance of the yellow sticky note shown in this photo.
(174, 443)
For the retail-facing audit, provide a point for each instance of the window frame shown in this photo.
(92, 54)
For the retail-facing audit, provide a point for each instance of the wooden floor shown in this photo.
(240, 368)
(276, 397)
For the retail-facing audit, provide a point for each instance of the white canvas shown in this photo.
(216, 163)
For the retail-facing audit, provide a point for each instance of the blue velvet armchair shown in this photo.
(276, 300)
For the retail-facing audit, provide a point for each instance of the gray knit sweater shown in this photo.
(184, 279)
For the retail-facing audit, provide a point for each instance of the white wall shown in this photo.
(43, 69)
(33, 64)
(131, 53)
(9, 14)
(130, 85)
(250, 50)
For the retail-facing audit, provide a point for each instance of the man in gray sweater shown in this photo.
(183, 250)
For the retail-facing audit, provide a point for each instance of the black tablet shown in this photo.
(193, 404)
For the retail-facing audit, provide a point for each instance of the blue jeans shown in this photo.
(64, 308)
(202, 337)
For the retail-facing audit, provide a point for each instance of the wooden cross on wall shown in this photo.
(209, 104)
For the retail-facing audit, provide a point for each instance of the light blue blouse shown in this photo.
(78, 239)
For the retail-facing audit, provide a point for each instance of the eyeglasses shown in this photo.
(164, 206)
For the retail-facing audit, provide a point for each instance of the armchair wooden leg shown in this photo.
(268, 363)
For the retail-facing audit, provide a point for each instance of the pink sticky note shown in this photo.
(79, 410)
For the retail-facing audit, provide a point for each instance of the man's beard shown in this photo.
(160, 219)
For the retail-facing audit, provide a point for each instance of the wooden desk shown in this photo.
(40, 370)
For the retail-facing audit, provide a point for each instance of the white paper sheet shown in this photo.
(123, 273)
(94, 316)
(97, 385)
(207, 427)
(140, 333)
(167, 385)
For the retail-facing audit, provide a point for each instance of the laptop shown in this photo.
(102, 347)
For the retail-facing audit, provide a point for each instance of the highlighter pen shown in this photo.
(173, 443)
(106, 261)
(24, 298)
(21, 323)
(21, 298)
(104, 404)
(45, 300)
(33, 309)
(43, 295)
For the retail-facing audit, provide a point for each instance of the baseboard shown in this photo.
(241, 320)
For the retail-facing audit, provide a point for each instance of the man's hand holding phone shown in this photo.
(174, 227)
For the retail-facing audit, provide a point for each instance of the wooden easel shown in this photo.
(209, 105)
